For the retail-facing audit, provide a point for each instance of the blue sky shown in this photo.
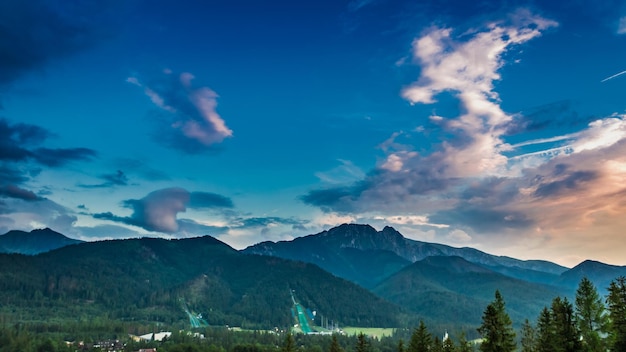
(490, 125)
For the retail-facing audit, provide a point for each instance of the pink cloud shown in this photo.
(194, 123)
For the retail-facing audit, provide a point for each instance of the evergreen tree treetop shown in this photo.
(334, 345)
(497, 328)
(420, 339)
(289, 345)
(616, 301)
(591, 318)
(362, 345)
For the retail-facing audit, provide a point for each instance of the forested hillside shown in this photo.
(444, 289)
(147, 279)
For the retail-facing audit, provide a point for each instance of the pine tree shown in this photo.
(616, 301)
(362, 345)
(497, 328)
(566, 335)
(545, 332)
(528, 337)
(420, 339)
(436, 345)
(591, 319)
(400, 346)
(464, 345)
(46, 346)
(334, 345)
(289, 345)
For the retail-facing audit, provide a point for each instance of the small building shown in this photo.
(157, 336)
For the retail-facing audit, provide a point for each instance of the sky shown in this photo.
(498, 125)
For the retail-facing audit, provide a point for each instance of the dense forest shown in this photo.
(146, 279)
(589, 324)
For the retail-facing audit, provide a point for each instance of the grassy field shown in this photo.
(372, 332)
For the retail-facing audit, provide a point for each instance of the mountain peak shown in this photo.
(589, 263)
(361, 230)
(351, 229)
(361, 236)
(33, 242)
(600, 273)
(47, 232)
(390, 231)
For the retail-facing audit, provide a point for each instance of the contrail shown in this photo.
(545, 140)
(615, 75)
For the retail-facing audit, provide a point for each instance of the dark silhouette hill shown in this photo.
(33, 242)
(600, 274)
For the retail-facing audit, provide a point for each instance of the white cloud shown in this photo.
(326, 220)
(155, 98)
(213, 128)
(621, 27)
(395, 161)
(420, 220)
(29, 215)
(469, 69)
(345, 173)
(356, 5)
(544, 154)
(601, 134)
(458, 236)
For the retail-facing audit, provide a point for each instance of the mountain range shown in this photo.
(352, 274)
(344, 249)
(152, 279)
(436, 281)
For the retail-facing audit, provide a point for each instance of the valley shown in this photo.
(351, 276)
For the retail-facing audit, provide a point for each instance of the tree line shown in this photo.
(587, 325)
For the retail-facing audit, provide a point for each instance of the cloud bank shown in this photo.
(20, 142)
(22, 157)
